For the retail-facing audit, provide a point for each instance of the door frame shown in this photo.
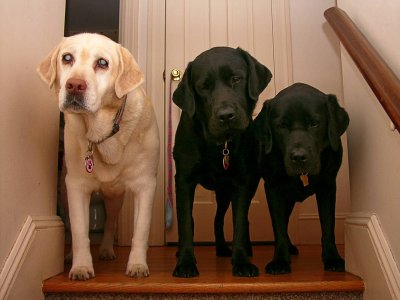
(142, 31)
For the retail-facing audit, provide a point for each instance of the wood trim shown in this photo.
(155, 66)
(283, 73)
(128, 28)
(315, 216)
(128, 24)
(23, 246)
(142, 31)
(383, 82)
(389, 272)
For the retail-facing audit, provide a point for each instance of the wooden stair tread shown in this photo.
(215, 275)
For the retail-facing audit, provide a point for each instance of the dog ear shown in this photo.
(258, 75)
(338, 121)
(129, 75)
(183, 96)
(47, 69)
(262, 128)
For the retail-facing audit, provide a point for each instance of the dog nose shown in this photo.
(298, 156)
(226, 114)
(75, 86)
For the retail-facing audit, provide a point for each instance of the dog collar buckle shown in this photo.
(304, 179)
(89, 162)
(225, 159)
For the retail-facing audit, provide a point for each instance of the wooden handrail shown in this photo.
(381, 79)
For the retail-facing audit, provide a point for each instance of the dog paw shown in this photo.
(245, 270)
(107, 254)
(81, 273)
(278, 267)
(137, 271)
(186, 266)
(223, 251)
(334, 265)
(186, 270)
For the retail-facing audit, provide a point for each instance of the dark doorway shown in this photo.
(100, 16)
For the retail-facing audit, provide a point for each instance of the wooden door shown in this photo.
(191, 28)
(188, 27)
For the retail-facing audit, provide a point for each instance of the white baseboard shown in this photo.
(368, 255)
(38, 253)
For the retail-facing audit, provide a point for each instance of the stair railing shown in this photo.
(381, 79)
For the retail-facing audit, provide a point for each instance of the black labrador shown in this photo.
(301, 153)
(214, 147)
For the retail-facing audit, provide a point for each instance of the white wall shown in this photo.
(373, 148)
(316, 61)
(29, 29)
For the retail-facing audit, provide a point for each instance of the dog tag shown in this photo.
(225, 160)
(304, 179)
(89, 164)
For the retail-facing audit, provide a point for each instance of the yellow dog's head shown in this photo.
(89, 71)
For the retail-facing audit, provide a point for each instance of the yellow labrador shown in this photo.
(111, 142)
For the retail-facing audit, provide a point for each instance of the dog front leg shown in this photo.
(186, 264)
(326, 200)
(143, 205)
(78, 204)
(241, 265)
(278, 208)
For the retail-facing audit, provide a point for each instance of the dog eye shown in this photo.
(67, 58)
(235, 79)
(102, 63)
(314, 124)
(205, 86)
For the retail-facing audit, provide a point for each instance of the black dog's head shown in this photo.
(301, 121)
(220, 88)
